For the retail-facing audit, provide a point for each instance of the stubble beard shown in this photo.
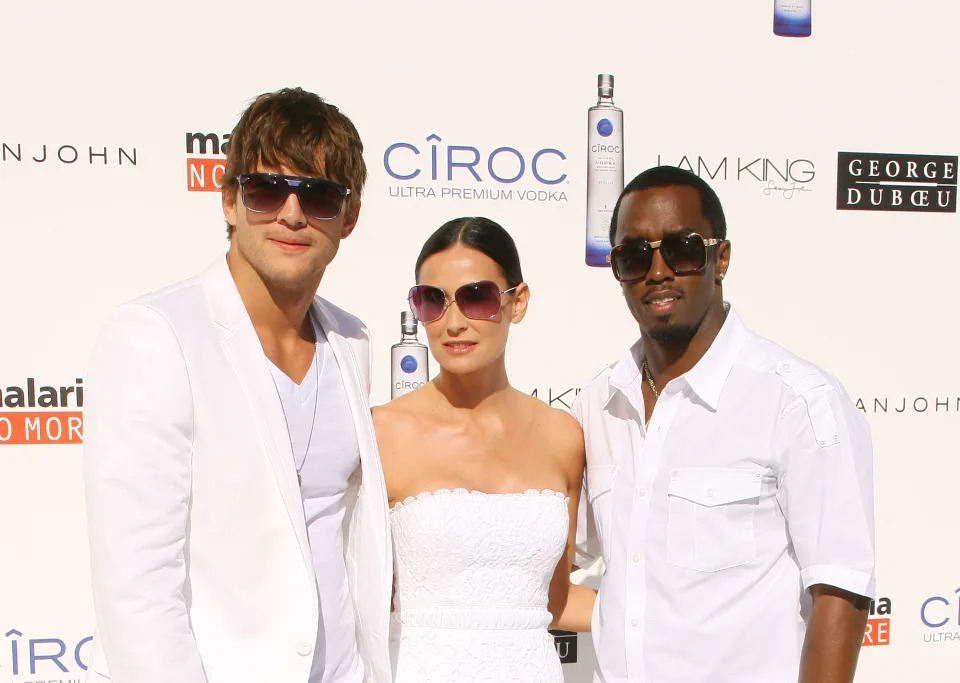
(283, 281)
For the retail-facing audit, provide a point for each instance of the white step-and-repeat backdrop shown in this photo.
(834, 154)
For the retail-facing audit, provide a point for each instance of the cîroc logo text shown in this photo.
(48, 657)
(868, 181)
(434, 169)
(940, 615)
(44, 414)
(782, 177)
(206, 161)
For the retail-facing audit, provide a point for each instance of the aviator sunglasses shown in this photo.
(685, 253)
(266, 192)
(476, 300)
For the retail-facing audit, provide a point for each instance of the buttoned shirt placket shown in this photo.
(642, 463)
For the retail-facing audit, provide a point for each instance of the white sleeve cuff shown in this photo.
(844, 578)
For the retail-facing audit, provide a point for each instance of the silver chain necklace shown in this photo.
(316, 400)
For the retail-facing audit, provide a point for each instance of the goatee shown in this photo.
(673, 335)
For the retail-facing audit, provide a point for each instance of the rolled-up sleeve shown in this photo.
(826, 489)
(588, 544)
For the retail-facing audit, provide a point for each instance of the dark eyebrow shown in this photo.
(634, 239)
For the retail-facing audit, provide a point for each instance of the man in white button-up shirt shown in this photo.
(729, 485)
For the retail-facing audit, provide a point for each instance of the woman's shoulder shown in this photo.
(559, 422)
(557, 431)
(400, 413)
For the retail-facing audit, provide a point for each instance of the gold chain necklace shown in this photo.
(649, 378)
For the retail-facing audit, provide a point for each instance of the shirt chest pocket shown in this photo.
(710, 524)
(600, 481)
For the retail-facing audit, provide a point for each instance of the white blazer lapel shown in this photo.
(373, 496)
(357, 397)
(349, 372)
(243, 348)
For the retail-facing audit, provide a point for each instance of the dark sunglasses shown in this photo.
(685, 253)
(476, 300)
(266, 192)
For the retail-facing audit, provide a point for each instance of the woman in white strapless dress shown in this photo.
(483, 481)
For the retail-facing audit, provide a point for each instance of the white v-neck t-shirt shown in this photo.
(333, 456)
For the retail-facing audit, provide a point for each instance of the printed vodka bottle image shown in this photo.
(408, 359)
(604, 170)
(791, 18)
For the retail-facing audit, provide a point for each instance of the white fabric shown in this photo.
(473, 572)
(201, 563)
(317, 415)
(753, 482)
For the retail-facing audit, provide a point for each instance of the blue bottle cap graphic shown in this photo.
(408, 364)
(604, 127)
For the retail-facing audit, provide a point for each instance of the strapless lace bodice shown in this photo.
(472, 576)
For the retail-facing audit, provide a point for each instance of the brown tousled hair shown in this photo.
(297, 129)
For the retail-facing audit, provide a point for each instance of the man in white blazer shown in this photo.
(236, 506)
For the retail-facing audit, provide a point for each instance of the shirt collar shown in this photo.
(706, 378)
(626, 371)
(710, 373)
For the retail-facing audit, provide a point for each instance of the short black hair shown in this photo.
(478, 233)
(665, 176)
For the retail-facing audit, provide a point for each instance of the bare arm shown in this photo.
(392, 427)
(571, 605)
(834, 635)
